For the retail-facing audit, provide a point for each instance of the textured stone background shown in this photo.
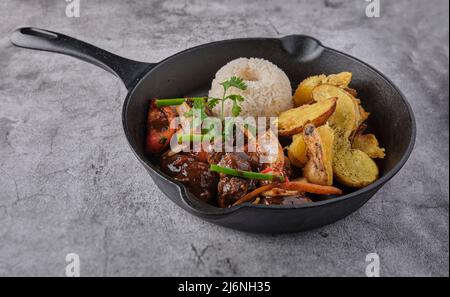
(69, 183)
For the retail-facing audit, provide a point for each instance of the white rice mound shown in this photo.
(268, 93)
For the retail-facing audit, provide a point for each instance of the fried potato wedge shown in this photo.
(303, 94)
(346, 117)
(369, 144)
(339, 149)
(352, 92)
(361, 114)
(319, 143)
(297, 151)
(293, 121)
(353, 167)
(341, 80)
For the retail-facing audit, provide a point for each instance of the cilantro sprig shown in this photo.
(233, 82)
(197, 114)
(199, 103)
(198, 108)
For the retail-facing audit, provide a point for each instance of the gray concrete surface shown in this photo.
(69, 183)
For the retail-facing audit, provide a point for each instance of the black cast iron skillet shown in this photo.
(190, 73)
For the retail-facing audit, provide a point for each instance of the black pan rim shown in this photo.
(228, 211)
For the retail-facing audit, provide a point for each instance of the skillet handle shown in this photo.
(128, 71)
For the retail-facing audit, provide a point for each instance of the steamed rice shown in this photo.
(269, 90)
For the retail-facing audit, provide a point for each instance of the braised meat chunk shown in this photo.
(195, 175)
(231, 188)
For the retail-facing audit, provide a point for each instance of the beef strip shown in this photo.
(195, 175)
(205, 157)
(231, 188)
(288, 200)
(214, 157)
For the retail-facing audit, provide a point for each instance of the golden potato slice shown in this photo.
(352, 167)
(361, 114)
(297, 151)
(345, 119)
(293, 121)
(303, 94)
(341, 80)
(304, 91)
(359, 130)
(361, 117)
(369, 144)
(319, 143)
(352, 92)
(364, 115)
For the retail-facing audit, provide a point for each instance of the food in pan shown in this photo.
(293, 121)
(157, 136)
(268, 91)
(368, 143)
(318, 147)
(296, 151)
(353, 167)
(345, 118)
(303, 94)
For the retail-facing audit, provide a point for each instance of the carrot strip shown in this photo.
(311, 188)
(267, 170)
(255, 193)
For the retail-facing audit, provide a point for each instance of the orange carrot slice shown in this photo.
(311, 188)
(250, 196)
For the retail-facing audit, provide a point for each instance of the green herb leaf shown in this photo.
(212, 102)
(198, 107)
(199, 103)
(236, 109)
(236, 82)
(235, 98)
(163, 140)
